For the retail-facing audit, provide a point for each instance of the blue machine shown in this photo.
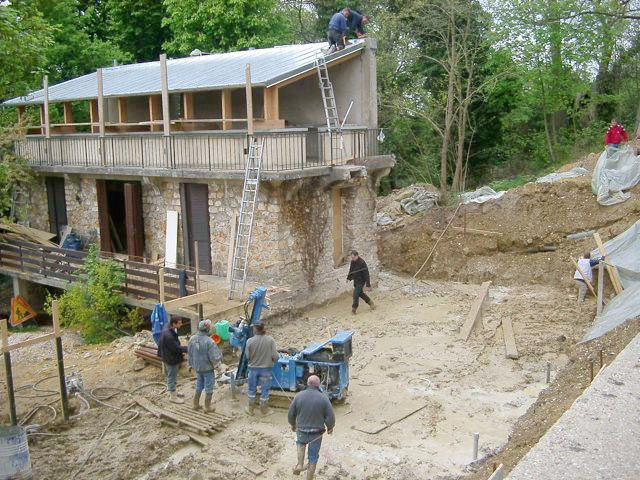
(328, 360)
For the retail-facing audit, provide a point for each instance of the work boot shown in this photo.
(249, 408)
(353, 311)
(173, 398)
(264, 406)
(372, 305)
(311, 471)
(297, 470)
(196, 400)
(207, 403)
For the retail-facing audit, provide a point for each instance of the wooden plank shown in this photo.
(161, 287)
(272, 103)
(147, 405)
(30, 341)
(476, 231)
(613, 273)
(122, 110)
(600, 297)
(155, 112)
(171, 239)
(4, 333)
(190, 300)
(249, 99)
(100, 105)
(164, 81)
(584, 277)
(227, 108)
(45, 88)
(509, 339)
(476, 312)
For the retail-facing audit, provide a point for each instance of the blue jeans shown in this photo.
(172, 375)
(312, 440)
(204, 381)
(262, 377)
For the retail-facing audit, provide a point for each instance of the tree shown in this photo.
(136, 27)
(224, 25)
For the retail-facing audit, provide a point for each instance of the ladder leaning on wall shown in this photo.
(250, 189)
(330, 109)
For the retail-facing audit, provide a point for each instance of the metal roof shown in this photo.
(269, 66)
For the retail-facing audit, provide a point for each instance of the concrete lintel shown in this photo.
(376, 162)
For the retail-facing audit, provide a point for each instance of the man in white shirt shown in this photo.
(585, 264)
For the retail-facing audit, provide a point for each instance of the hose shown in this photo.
(82, 411)
(36, 426)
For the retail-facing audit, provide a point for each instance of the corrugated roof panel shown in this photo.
(216, 71)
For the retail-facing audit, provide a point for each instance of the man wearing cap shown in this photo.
(310, 415)
(204, 356)
(171, 352)
(261, 354)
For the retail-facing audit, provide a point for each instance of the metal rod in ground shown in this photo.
(476, 438)
(548, 372)
(63, 384)
(10, 392)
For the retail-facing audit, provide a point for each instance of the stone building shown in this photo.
(173, 137)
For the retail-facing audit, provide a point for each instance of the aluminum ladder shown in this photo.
(250, 189)
(330, 109)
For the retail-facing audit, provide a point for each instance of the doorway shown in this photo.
(57, 205)
(195, 225)
(120, 216)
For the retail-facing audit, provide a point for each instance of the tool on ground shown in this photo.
(329, 359)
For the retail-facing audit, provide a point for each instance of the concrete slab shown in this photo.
(598, 437)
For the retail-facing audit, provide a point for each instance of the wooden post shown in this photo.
(611, 270)
(93, 115)
(164, 80)
(59, 353)
(67, 108)
(123, 116)
(9, 373)
(21, 110)
(155, 111)
(248, 91)
(161, 284)
(227, 109)
(100, 102)
(271, 103)
(188, 110)
(47, 125)
(600, 287)
(42, 130)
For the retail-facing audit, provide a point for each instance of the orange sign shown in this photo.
(21, 311)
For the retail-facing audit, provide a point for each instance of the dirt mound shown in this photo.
(525, 239)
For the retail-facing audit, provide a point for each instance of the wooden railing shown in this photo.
(141, 280)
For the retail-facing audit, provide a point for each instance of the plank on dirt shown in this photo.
(509, 339)
(611, 270)
(476, 311)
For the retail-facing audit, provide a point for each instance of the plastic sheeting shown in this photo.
(555, 176)
(481, 195)
(616, 170)
(623, 251)
(421, 200)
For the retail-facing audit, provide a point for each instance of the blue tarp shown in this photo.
(159, 318)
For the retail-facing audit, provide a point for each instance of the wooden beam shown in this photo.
(600, 297)
(188, 106)
(312, 71)
(272, 103)
(227, 109)
(42, 119)
(476, 311)
(161, 284)
(93, 115)
(47, 125)
(123, 115)
(584, 277)
(249, 95)
(155, 111)
(613, 273)
(30, 341)
(164, 80)
(67, 108)
(509, 339)
(190, 300)
(100, 102)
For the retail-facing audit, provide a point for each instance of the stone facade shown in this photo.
(38, 213)
(158, 196)
(82, 207)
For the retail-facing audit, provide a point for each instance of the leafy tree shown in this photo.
(14, 170)
(224, 25)
(136, 27)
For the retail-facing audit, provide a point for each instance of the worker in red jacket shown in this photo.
(616, 134)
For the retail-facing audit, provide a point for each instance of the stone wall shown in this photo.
(82, 207)
(38, 211)
(157, 197)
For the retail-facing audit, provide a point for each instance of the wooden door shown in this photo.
(133, 219)
(57, 204)
(195, 202)
(103, 216)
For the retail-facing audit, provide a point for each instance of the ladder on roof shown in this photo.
(252, 171)
(330, 109)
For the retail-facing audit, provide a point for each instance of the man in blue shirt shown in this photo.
(337, 30)
(357, 21)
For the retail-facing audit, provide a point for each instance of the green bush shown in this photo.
(94, 305)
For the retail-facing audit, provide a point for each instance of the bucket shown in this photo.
(15, 463)
(222, 329)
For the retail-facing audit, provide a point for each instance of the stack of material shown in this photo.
(15, 231)
(148, 353)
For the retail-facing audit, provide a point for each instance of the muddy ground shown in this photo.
(406, 356)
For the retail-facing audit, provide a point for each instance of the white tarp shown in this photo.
(555, 176)
(421, 200)
(616, 170)
(481, 195)
(623, 251)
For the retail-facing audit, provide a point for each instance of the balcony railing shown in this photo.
(284, 150)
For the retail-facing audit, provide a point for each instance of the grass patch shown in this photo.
(507, 183)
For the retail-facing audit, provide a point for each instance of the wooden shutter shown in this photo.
(57, 204)
(133, 219)
(103, 216)
(197, 206)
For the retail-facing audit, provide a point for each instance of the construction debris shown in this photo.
(15, 231)
(509, 339)
(575, 172)
(148, 353)
(481, 195)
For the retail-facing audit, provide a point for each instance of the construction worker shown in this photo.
(310, 414)
(171, 352)
(356, 22)
(261, 355)
(359, 273)
(203, 356)
(585, 264)
(337, 30)
(616, 134)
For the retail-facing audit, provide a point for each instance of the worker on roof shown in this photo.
(171, 352)
(261, 355)
(359, 273)
(616, 134)
(584, 274)
(310, 415)
(356, 22)
(203, 356)
(337, 30)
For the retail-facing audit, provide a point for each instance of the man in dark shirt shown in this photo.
(356, 22)
(359, 273)
(171, 352)
(337, 30)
